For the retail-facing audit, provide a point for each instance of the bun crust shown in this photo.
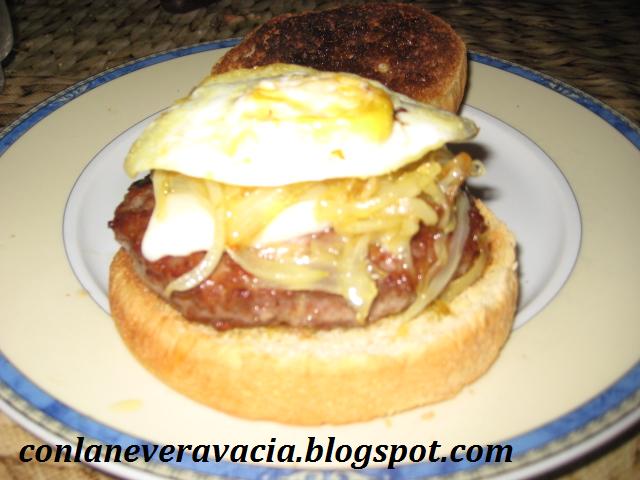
(402, 46)
(317, 377)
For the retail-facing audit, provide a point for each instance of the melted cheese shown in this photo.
(295, 221)
(186, 227)
(185, 223)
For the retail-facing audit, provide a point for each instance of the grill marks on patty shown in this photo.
(231, 297)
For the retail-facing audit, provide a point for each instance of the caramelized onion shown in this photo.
(210, 261)
(282, 274)
(432, 285)
(460, 284)
(385, 210)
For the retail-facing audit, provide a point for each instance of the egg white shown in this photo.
(192, 137)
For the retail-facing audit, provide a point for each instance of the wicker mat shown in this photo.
(594, 47)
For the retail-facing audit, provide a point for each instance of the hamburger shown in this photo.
(304, 250)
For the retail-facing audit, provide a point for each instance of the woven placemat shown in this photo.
(594, 47)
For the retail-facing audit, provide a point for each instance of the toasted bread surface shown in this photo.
(400, 45)
(333, 376)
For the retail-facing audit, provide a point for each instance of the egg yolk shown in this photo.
(327, 105)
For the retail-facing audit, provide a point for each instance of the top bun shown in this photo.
(401, 46)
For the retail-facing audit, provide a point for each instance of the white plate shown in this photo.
(567, 380)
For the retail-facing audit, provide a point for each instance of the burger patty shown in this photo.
(231, 297)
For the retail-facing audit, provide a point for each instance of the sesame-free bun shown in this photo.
(324, 376)
(402, 46)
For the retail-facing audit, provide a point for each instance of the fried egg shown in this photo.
(275, 126)
(283, 124)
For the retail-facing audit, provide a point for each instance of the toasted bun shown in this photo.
(333, 376)
(402, 46)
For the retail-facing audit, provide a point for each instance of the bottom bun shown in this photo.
(325, 376)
